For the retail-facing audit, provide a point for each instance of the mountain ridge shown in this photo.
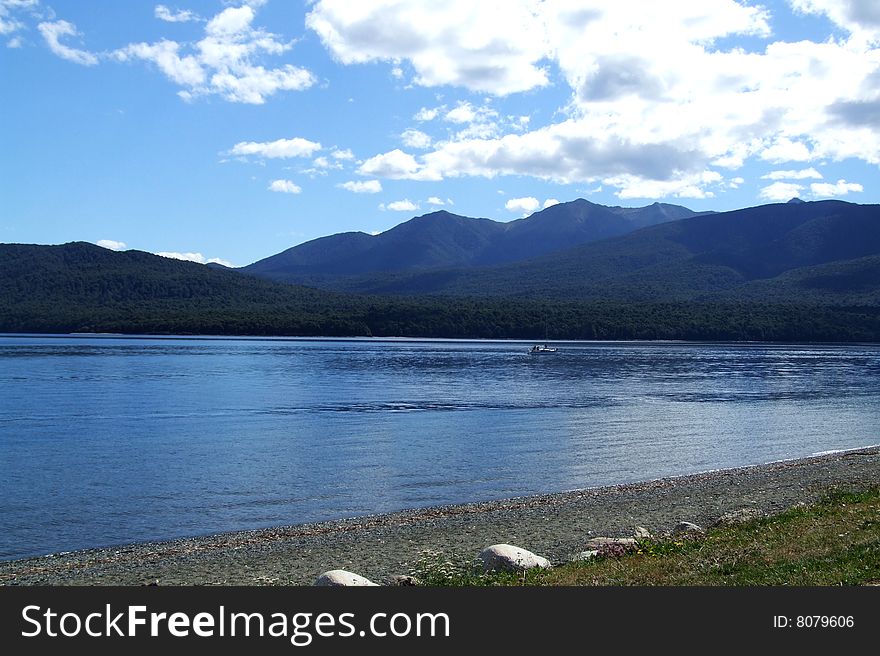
(685, 259)
(442, 239)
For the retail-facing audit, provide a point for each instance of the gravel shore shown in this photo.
(554, 525)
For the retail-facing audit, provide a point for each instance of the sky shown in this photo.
(230, 130)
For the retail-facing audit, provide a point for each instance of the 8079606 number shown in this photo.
(824, 621)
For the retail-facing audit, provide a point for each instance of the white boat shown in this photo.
(542, 348)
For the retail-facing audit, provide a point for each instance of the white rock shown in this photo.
(641, 533)
(584, 555)
(687, 528)
(340, 577)
(508, 558)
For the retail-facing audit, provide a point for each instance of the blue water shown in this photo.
(114, 440)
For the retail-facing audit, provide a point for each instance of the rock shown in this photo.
(641, 533)
(403, 580)
(687, 528)
(598, 543)
(738, 517)
(340, 577)
(508, 558)
(584, 555)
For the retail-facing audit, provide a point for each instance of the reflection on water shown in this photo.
(112, 440)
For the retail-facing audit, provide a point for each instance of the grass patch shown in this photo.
(833, 542)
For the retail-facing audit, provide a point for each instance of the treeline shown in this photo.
(460, 318)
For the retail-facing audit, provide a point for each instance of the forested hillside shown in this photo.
(80, 287)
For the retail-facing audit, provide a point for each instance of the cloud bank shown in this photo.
(659, 103)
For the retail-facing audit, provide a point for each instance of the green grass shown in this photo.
(833, 542)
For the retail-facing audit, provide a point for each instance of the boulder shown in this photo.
(340, 577)
(687, 529)
(584, 555)
(508, 558)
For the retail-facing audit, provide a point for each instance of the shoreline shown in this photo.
(380, 546)
(425, 339)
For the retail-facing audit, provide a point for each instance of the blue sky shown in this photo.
(231, 130)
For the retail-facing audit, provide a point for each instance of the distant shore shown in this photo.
(380, 546)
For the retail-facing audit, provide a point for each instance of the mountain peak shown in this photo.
(435, 215)
(795, 201)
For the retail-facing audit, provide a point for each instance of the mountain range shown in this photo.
(822, 251)
(441, 240)
(794, 271)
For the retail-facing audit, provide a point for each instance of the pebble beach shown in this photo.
(381, 546)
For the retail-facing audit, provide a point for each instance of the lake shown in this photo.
(109, 440)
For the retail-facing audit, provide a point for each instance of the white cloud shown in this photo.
(9, 26)
(284, 187)
(225, 61)
(786, 150)
(413, 138)
(365, 187)
(111, 244)
(253, 84)
(171, 16)
(185, 71)
(9, 23)
(425, 114)
(187, 257)
(53, 32)
(781, 191)
(491, 45)
(396, 165)
(828, 190)
(435, 201)
(463, 112)
(802, 174)
(480, 122)
(550, 202)
(683, 186)
(345, 154)
(279, 149)
(232, 20)
(564, 152)
(527, 204)
(405, 205)
(323, 164)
